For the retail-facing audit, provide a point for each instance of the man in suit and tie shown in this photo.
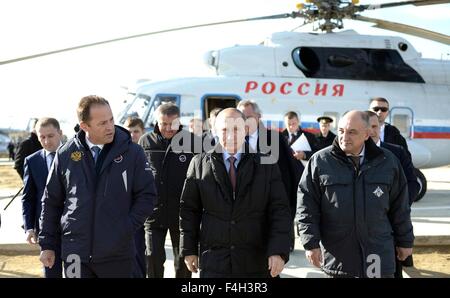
(36, 168)
(294, 131)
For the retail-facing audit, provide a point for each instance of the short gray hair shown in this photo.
(168, 109)
(248, 102)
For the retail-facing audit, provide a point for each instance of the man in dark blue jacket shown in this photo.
(408, 169)
(36, 170)
(99, 192)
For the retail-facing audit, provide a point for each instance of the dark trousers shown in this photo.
(140, 268)
(156, 254)
(57, 270)
(112, 269)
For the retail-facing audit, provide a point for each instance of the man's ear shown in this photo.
(84, 126)
(367, 136)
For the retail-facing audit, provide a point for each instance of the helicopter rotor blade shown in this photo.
(403, 28)
(294, 15)
(401, 3)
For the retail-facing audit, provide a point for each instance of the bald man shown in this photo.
(235, 207)
(355, 207)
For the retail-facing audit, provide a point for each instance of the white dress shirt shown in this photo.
(90, 145)
(382, 132)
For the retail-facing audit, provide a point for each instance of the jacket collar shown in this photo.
(370, 154)
(244, 173)
(120, 144)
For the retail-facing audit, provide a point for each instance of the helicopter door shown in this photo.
(403, 119)
(210, 102)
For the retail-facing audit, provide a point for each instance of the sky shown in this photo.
(53, 85)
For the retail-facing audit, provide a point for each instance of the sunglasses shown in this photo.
(383, 109)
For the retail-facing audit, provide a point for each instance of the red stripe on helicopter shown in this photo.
(431, 135)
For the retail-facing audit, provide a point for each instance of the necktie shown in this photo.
(51, 157)
(355, 161)
(247, 139)
(292, 138)
(95, 152)
(232, 172)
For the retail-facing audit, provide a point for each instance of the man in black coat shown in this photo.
(26, 148)
(388, 132)
(235, 206)
(293, 131)
(169, 150)
(355, 207)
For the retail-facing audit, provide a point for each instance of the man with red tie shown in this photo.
(235, 206)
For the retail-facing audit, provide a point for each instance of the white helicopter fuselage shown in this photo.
(271, 75)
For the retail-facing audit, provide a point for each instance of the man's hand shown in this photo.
(191, 263)
(314, 256)
(276, 265)
(403, 253)
(299, 155)
(31, 237)
(47, 258)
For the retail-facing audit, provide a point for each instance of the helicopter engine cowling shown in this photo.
(246, 61)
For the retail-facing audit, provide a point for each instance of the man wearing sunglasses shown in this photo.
(388, 132)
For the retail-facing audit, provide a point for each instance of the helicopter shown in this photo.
(316, 74)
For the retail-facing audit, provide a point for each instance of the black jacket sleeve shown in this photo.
(190, 210)
(309, 214)
(399, 212)
(280, 223)
(144, 191)
(29, 199)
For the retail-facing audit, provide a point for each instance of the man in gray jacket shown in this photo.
(355, 207)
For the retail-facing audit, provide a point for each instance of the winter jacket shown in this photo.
(99, 207)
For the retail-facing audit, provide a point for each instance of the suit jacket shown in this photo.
(290, 168)
(392, 135)
(34, 179)
(309, 136)
(408, 169)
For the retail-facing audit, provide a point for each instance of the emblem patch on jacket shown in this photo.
(182, 158)
(76, 155)
(378, 192)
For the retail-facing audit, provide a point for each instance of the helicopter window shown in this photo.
(136, 107)
(354, 64)
(159, 100)
(306, 59)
